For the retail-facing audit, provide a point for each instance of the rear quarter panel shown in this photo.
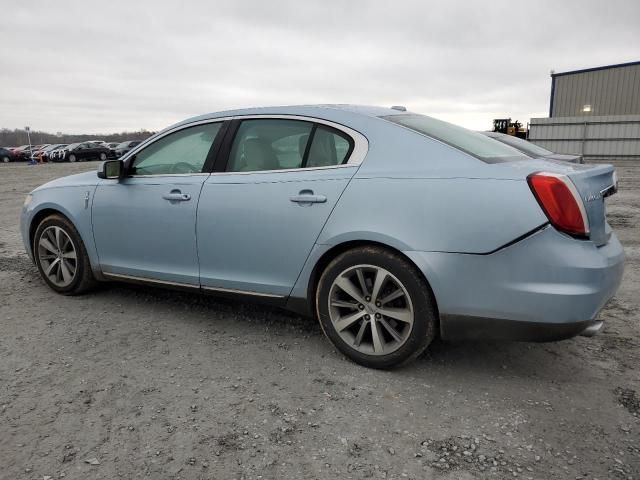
(416, 193)
(466, 215)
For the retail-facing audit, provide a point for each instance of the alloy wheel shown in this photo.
(371, 310)
(58, 257)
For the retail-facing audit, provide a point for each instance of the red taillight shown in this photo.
(560, 201)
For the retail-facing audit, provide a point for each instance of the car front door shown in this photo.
(259, 218)
(88, 151)
(145, 224)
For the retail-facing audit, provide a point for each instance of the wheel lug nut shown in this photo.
(378, 315)
(378, 304)
(361, 307)
(368, 299)
(367, 317)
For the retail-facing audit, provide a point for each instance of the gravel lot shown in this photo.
(139, 382)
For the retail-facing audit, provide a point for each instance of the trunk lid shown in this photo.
(566, 158)
(593, 183)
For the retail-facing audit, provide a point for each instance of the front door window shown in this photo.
(181, 152)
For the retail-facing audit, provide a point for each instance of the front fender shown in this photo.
(74, 203)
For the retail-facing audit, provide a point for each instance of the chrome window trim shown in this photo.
(360, 142)
(154, 139)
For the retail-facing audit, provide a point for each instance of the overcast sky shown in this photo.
(107, 66)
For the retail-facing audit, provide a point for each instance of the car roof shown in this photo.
(326, 111)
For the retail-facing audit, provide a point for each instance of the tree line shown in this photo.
(18, 136)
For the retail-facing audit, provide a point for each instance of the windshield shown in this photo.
(470, 142)
(51, 147)
(529, 148)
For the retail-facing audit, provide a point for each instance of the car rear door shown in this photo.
(260, 214)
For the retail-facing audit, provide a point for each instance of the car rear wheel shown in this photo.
(103, 156)
(375, 307)
(72, 158)
(6, 159)
(61, 257)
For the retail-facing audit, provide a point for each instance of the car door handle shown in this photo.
(307, 196)
(176, 196)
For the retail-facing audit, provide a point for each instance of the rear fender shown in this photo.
(465, 215)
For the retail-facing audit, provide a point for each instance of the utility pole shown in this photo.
(28, 129)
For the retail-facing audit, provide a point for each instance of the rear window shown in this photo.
(529, 148)
(473, 143)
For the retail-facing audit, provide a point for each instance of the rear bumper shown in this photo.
(461, 327)
(546, 287)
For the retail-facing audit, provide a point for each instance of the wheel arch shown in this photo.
(336, 250)
(86, 236)
(39, 216)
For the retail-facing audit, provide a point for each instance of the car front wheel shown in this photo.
(103, 156)
(6, 159)
(375, 307)
(72, 158)
(61, 257)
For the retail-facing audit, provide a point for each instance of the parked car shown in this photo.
(82, 152)
(53, 154)
(38, 151)
(22, 153)
(45, 153)
(6, 155)
(112, 148)
(124, 147)
(531, 149)
(25, 153)
(390, 227)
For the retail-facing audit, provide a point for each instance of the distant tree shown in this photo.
(18, 136)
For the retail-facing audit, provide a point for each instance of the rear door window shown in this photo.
(282, 144)
(328, 147)
(269, 144)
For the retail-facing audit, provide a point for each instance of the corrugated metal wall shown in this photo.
(597, 138)
(609, 91)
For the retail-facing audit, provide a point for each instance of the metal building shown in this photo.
(594, 112)
(609, 90)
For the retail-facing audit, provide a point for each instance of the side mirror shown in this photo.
(111, 169)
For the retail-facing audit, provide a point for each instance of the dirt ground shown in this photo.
(131, 382)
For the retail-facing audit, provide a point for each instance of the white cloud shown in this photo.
(88, 66)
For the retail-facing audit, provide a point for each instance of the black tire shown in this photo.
(72, 158)
(103, 156)
(425, 320)
(83, 280)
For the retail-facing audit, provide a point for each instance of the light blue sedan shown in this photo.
(390, 227)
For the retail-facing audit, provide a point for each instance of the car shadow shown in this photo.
(554, 361)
